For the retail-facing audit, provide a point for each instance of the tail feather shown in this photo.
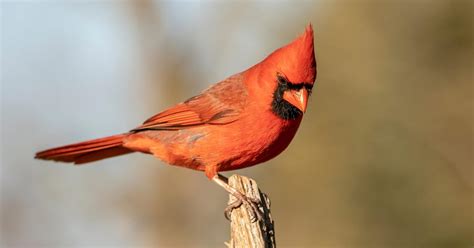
(87, 151)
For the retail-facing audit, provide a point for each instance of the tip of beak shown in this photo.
(302, 96)
(303, 109)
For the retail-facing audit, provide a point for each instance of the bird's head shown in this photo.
(291, 71)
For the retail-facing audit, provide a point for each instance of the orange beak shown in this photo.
(297, 98)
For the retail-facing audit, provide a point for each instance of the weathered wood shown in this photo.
(245, 230)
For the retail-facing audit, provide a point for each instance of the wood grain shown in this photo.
(245, 230)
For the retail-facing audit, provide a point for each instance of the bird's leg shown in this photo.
(241, 198)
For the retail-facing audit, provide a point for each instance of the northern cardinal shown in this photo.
(241, 121)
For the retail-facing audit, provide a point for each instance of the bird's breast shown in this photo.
(254, 139)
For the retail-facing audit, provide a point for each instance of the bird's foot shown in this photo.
(252, 203)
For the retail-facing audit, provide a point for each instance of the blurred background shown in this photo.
(384, 156)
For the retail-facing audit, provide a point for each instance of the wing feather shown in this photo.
(220, 104)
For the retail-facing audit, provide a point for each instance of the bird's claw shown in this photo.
(233, 205)
(255, 213)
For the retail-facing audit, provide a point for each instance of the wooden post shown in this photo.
(245, 232)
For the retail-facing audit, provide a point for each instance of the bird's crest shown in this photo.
(296, 61)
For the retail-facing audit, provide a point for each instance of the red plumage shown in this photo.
(241, 121)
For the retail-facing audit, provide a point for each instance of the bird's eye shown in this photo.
(282, 80)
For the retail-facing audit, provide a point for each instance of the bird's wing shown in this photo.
(220, 104)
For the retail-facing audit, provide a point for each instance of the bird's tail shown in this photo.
(87, 151)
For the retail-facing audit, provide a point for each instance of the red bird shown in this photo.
(242, 121)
